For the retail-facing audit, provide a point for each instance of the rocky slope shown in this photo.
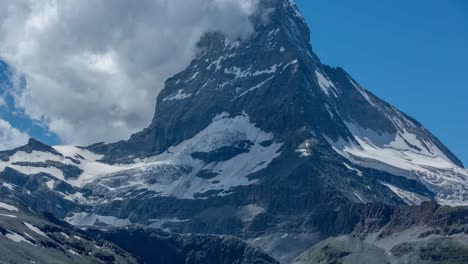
(258, 139)
(29, 237)
(153, 246)
(350, 250)
(425, 234)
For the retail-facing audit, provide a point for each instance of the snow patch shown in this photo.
(305, 149)
(363, 92)
(353, 169)
(271, 70)
(273, 32)
(73, 252)
(9, 186)
(8, 207)
(34, 157)
(35, 229)
(248, 213)
(409, 197)
(90, 165)
(17, 238)
(238, 72)
(75, 197)
(50, 184)
(292, 63)
(86, 219)
(193, 77)
(406, 154)
(326, 84)
(159, 223)
(176, 172)
(78, 153)
(7, 215)
(216, 63)
(252, 88)
(359, 197)
(179, 96)
(296, 10)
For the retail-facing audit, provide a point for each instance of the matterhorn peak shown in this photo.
(257, 138)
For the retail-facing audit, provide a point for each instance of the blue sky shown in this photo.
(17, 118)
(413, 54)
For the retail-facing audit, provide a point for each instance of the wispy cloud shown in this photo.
(94, 68)
(11, 137)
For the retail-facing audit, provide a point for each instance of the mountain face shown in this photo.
(403, 234)
(27, 236)
(275, 81)
(185, 249)
(258, 139)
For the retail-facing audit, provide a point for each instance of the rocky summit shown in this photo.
(257, 153)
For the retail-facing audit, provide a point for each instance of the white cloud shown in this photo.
(94, 67)
(11, 137)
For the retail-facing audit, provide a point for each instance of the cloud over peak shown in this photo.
(93, 68)
(11, 137)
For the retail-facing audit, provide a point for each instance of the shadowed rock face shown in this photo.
(350, 250)
(405, 234)
(30, 237)
(26, 237)
(217, 86)
(154, 246)
(275, 79)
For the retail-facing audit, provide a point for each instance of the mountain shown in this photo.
(428, 233)
(258, 139)
(30, 237)
(184, 249)
(27, 236)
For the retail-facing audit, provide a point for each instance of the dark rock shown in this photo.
(158, 247)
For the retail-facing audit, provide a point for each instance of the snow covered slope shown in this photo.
(29, 237)
(218, 158)
(214, 161)
(240, 105)
(383, 138)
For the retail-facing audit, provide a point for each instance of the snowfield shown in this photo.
(176, 172)
(404, 153)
